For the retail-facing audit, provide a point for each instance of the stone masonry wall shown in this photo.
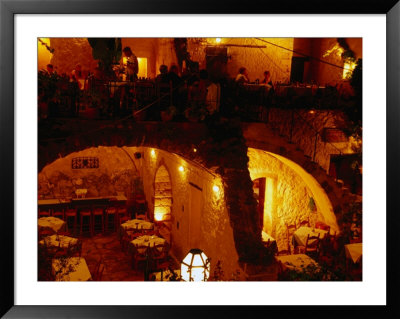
(115, 174)
(68, 52)
(304, 136)
(215, 232)
(290, 197)
(257, 60)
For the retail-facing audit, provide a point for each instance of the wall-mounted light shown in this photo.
(215, 188)
(218, 40)
(195, 266)
(181, 169)
(153, 153)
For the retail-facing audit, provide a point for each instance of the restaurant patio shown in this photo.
(200, 159)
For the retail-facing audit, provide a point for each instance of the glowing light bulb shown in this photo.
(153, 153)
(195, 150)
(218, 40)
(215, 188)
(181, 169)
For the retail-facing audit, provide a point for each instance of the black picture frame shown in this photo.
(8, 10)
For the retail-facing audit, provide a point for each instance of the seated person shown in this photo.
(163, 76)
(267, 79)
(243, 76)
(173, 76)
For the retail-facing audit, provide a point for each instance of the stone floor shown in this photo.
(117, 265)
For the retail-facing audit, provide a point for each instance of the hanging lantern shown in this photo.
(195, 266)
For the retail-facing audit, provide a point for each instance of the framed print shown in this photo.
(242, 145)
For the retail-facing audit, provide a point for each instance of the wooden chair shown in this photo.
(76, 250)
(86, 221)
(312, 246)
(97, 213)
(323, 226)
(111, 212)
(141, 215)
(140, 254)
(71, 213)
(122, 212)
(356, 236)
(305, 223)
(44, 213)
(283, 253)
(62, 251)
(98, 272)
(58, 213)
(290, 229)
(159, 254)
(44, 233)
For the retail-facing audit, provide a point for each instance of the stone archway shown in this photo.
(162, 194)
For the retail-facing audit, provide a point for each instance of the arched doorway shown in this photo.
(162, 195)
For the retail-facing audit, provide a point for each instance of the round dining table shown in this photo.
(148, 241)
(51, 223)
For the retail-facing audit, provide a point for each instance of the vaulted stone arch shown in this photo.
(162, 194)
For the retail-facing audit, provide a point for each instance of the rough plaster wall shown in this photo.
(216, 235)
(304, 136)
(71, 51)
(291, 195)
(256, 60)
(144, 48)
(115, 174)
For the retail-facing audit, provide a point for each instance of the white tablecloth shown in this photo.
(149, 241)
(59, 241)
(137, 224)
(300, 235)
(354, 252)
(75, 269)
(52, 223)
(296, 262)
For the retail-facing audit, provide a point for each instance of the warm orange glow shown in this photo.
(311, 112)
(348, 69)
(269, 193)
(181, 169)
(195, 150)
(218, 40)
(153, 153)
(44, 55)
(142, 63)
(216, 188)
(142, 67)
(158, 216)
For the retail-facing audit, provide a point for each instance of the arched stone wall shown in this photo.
(292, 189)
(114, 175)
(162, 194)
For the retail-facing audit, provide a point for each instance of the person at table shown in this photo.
(243, 76)
(131, 65)
(267, 80)
(163, 76)
(173, 75)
